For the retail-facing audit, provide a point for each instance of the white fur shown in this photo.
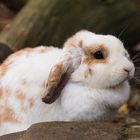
(93, 98)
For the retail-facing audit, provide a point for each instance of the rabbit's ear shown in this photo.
(59, 75)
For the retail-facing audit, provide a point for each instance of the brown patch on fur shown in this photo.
(101, 61)
(9, 60)
(55, 81)
(81, 44)
(31, 103)
(55, 74)
(4, 94)
(23, 51)
(89, 52)
(4, 66)
(88, 60)
(87, 73)
(6, 115)
(3, 69)
(42, 49)
(19, 53)
(20, 96)
(28, 49)
(25, 108)
(32, 50)
(71, 42)
(1, 94)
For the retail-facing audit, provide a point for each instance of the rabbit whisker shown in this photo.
(137, 61)
(136, 78)
(136, 56)
(122, 31)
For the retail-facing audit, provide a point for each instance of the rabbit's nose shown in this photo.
(128, 70)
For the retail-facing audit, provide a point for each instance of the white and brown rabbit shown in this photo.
(91, 72)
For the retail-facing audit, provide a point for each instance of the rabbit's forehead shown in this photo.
(106, 43)
(104, 48)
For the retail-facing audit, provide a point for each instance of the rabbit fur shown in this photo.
(95, 87)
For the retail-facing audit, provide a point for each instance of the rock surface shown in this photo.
(127, 128)
(74, 130)
(14, 136)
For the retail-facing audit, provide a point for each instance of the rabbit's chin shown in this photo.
(120, 83)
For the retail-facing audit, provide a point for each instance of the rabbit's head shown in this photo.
(100, 61)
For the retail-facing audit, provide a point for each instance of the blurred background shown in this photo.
(29, 23)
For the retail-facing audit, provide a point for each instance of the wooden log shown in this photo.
(27, 25)
(6, 15)
(50, 22)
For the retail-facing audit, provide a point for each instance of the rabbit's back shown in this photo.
(22, 82)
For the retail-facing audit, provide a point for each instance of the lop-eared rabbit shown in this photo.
(86, 80)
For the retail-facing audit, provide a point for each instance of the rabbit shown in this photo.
(86, 80)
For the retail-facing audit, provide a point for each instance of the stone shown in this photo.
(73, 131)
(13, 136)
(126, 128)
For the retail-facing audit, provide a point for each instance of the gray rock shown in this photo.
(78, 131)
(13, 136)
(73, 131)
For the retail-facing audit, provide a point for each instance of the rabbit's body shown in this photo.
(20, 96)
(23, 78)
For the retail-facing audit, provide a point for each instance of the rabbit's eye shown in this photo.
(98, 55)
